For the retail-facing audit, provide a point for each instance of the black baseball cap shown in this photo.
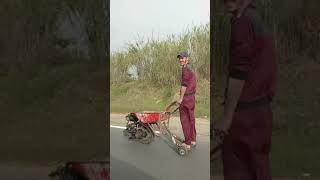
(182, 54)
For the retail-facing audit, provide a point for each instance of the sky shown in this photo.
(131, 20)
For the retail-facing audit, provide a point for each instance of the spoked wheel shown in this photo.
(130, 131)
(145, 135)
(126, 132)
(155, 127)
(141, 133)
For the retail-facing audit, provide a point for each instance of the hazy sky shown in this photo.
(130, 19)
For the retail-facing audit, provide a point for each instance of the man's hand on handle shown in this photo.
(234, 90)
(178, 102)
(221, 127)
(182, 92)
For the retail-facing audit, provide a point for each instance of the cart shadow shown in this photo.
(170, 144)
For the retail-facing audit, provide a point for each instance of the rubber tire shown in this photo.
(139, 134)
(126, 132)
(149, 137)
(182, 151)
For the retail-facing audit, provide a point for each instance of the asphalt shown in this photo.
(133, 160)
(156, 161)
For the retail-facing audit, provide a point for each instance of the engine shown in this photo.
(132, 117)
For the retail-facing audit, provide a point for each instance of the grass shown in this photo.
(154, 60)
(157, 72)
(295, 154)
(138, 96)
(59, 114)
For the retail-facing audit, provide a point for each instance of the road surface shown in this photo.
(156, 161)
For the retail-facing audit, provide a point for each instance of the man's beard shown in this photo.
(240, 5)
(233, 12)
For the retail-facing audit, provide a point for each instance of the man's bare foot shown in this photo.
(188, 147)
(193, 144)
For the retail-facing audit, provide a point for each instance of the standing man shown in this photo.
(247, 119)
(187, 101)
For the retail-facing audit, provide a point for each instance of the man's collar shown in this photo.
(187, 66)
(236, 16)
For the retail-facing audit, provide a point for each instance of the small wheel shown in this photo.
(126, 132)
(182, 151)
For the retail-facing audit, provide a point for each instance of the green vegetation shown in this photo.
(133, 97)
(296, 108)
(53, 100)
(58, 115)
(155, 82)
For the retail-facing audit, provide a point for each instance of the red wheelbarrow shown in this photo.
(144, 126)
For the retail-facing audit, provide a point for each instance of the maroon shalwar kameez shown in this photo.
(187, 106)
(252, 58)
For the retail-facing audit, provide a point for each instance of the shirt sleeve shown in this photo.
(241, 52)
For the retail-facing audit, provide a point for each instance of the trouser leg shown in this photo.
(247, 147)
(185, 123)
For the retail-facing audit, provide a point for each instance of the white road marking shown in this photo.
(118, 127)
(122, 127)
(157, 132)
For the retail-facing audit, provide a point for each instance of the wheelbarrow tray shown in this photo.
(152, 116)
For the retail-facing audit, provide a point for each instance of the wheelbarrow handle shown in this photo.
(174, 110)
(170, 106)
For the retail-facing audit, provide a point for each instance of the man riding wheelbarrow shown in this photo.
(140, 125)
(187, 101)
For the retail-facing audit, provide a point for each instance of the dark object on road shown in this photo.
(216, 145)
(93, 170)
(144, 126)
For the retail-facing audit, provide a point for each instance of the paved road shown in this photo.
(156, 161)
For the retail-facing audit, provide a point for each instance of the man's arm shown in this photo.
(235, 87)
(241, 55)
(182, 92)
(184, 84)
(233, 94)
(241, 62)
